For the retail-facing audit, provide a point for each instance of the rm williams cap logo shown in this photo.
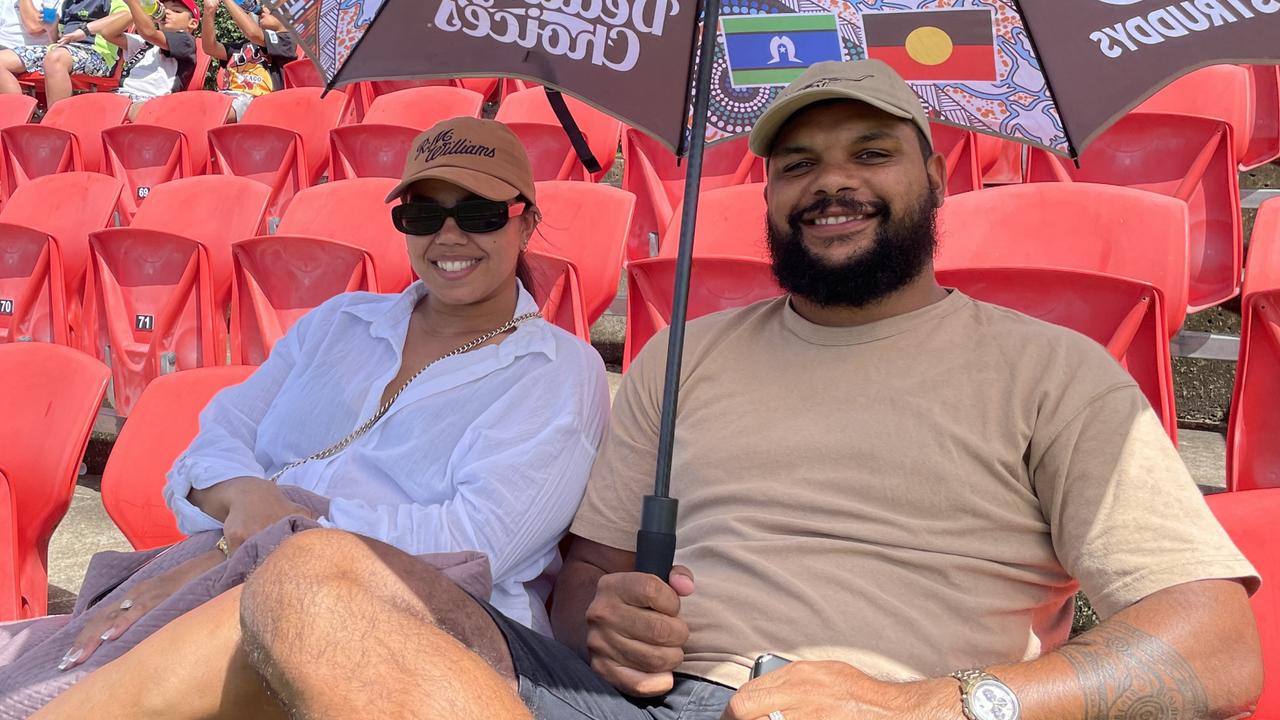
(443, 143)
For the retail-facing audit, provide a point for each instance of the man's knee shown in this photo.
(58, 60)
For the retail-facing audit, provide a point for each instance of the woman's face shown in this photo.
(461, 268)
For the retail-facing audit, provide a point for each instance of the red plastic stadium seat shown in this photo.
(90, 83)
(68, 138)
(553, 283)
(1250, 519)
(302, 73)
(651, 171)
(601, 130)
(1253, 448)
(731, 222)
(51, 395)
(1076, 226)
(335, 238)
(1189, 158)
(1264, 144)
(44, 246)
(168, 140)
(551, 155)
(999, 160)
(10, 595)
(157, 291)
(1124, 316)
(587, 224)
(282, 141)
(164, 422)
(16, 110)
(1221, 92)
(717, 283)
(379, 145)
(960, 149)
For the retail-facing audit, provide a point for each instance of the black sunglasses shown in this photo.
(477, 215)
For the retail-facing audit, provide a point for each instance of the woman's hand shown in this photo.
(109, 623)
(256, 505)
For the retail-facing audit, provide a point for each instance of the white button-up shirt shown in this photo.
(488, 450)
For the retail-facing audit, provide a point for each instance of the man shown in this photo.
(880, 479)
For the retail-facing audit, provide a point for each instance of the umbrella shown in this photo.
(1048, 73)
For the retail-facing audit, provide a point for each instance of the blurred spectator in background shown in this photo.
(21, 22)
(254, 65)
(160, 55)
(80, 47)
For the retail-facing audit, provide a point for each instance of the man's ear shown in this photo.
(936, 169)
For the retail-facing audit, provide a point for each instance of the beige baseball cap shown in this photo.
(483, 156)
(869, 81)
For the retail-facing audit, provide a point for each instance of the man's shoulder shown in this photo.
(703, 334)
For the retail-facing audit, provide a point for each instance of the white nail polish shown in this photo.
(107, 635)
(69, 658)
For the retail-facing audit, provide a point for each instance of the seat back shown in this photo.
(281, 141)
(1123, 315)
(52, 394)
(369, 150)
(423, 107)
(86, 116)
(1221, 92)
(551, 155)
(163, 424)
(960, 149)
(279, 278)
(1113, 230)
(553, 283)
(601, 130)
(716, 283)
(354, 212)
(588, 224)
(999, 160)
(1250, 519)
(157, 291)
(302, 73)
(142, 157)
(731, 222)
(10, 594)
(1253, 454)
(16, 109)
(41, 283)
(652, 173)
(193, 113)
(1189, 158)
(1264, 140)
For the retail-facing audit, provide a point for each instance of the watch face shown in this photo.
(991, 700)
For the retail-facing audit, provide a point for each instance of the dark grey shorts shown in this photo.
(556, 684)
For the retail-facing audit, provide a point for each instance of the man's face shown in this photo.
(851, 203)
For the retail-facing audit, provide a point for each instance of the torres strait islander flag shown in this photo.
(774, 49)
(934, 45)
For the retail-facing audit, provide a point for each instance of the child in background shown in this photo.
(160, 56)
(254, 64)
(80, 48)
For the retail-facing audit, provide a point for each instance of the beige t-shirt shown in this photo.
(912, 496)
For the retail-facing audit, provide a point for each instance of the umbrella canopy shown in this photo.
(1043, 72)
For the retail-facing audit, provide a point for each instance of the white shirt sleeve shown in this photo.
(225, 446)
(519, 475)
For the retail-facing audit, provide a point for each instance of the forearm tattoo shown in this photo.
(1126, 674)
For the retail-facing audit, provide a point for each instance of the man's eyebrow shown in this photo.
(873, 136)
(866, 137)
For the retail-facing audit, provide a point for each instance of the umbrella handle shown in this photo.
(656, 539)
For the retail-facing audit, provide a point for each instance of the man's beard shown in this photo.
(899, 252)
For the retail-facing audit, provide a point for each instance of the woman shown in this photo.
(485, 417)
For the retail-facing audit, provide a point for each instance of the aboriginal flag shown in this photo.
(934, 45)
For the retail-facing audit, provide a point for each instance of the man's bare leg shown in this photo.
(347, 627)
(192, 669)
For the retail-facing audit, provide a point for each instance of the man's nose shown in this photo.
(836, 179)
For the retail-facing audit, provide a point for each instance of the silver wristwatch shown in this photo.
(984, 697)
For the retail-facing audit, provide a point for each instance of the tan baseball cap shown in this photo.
(483, 156)
(869, 81)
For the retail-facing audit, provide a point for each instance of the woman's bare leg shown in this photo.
(192, 669)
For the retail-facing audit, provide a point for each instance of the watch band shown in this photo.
(969, 679)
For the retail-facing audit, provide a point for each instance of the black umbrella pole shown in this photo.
(656, 540)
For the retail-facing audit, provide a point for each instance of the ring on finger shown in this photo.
(776, 715)
(126, 604)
